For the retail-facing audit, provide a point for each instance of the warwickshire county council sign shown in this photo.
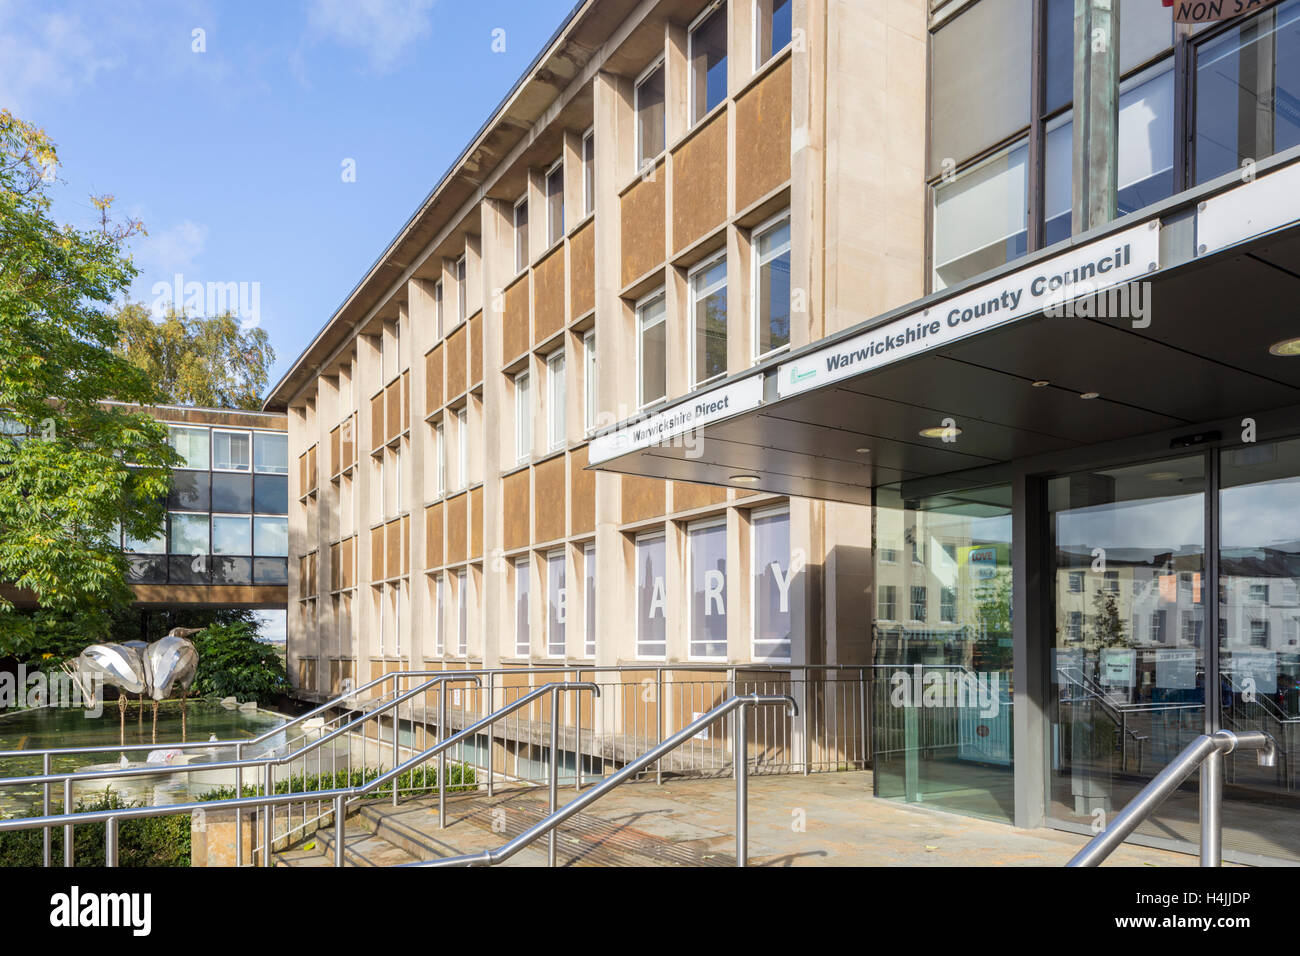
(1123, 257)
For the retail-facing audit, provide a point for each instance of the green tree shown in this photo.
(209, 361)
(234, 663)
(73, 469)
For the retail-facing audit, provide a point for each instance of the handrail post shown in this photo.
(741, 735)
(397, 756)
(659, 723)
(67, 829)
(340, 816)
(803, 717)
(555, 773)
(239, 813)
(577, 735)
(268, 816)
(1212, 809)
(45, 809)
(110, 841)
(442, 757)
(491, 705)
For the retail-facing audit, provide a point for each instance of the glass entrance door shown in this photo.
(1259, 642)
(1128, 650)
(1127, 555)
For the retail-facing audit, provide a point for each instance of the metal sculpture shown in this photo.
(156, 669)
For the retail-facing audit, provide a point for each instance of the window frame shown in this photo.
(705, 524)
(754, 515)
(521, 565)
(461, 271)
(462, 613)
(462, 447)
(556, 399)
(695, 115)
(763, 228)
(638, 308)
(554, 235)
(590, 416)
(563, 557)
(523, 416)
(693, 296)
(247, 433)
(644, 162)
(589, 569)
(760, 60)
(589, 172)
(661, 535)
(522, 256)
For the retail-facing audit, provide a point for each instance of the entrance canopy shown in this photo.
(1163, 320)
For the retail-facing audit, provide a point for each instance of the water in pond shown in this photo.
(70, 727)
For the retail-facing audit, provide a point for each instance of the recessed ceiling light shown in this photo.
(863, 451)
(940, 431)
(1163, 476)
(1090, 395)
(1287, 348)
(744, 479)
(1041, 383)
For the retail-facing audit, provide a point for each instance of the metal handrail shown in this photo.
(341, 796)
(547, 826)
(1207, 749)
(334, 703)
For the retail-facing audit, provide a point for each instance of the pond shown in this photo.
(70, 727)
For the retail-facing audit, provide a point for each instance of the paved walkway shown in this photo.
(821, 820)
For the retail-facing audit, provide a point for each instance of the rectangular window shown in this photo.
(589, 173)
(191, 444)
(651, 595)
(1259, 593)
(155, 545)
(523, 418)
(440, 616)
(773, 576)
(462, 291)
(189, 534)
(270, 453)
(709, 321)
(232, 534)
(555, 203)
(556, 607)
(270, 536)
(521, 235)
(772, 287)
(589, 598)
(523, 646)
(1112, 582)
(440, 470)
(437, 309)
(462, 625)
(555, 399)
(1146, 151)
(889, 555)
(948, 605)
(706, 548)
(1076, 582)
(773, 28)
(1259, 633)
(981, 217)
(887, 605)
(1158, 622)
(462, 448)
(232, 451)
(1074, 627)
(1247, 84)
(652, 349)
(589, 381)
(917, 609)
(651, 132)
(708, 57)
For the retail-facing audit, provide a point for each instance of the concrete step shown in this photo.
(361, 847)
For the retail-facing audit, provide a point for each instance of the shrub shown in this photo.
(233, 663)
(150, 841)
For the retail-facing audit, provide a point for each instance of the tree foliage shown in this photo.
(233, 663)
(208, 361)
(72, 468)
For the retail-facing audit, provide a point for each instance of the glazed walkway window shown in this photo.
(707, 553)
(773, 582)
(651, 595)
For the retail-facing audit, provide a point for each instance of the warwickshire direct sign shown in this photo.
(1123, 257)
(662, 428)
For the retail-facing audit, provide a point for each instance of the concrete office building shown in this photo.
(833, 268)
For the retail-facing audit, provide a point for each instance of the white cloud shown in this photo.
(164, 253)
(49, 53)
(381, 29)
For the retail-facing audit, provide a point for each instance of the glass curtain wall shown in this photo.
(942, 666)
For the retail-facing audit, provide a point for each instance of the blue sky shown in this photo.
(234, 156)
